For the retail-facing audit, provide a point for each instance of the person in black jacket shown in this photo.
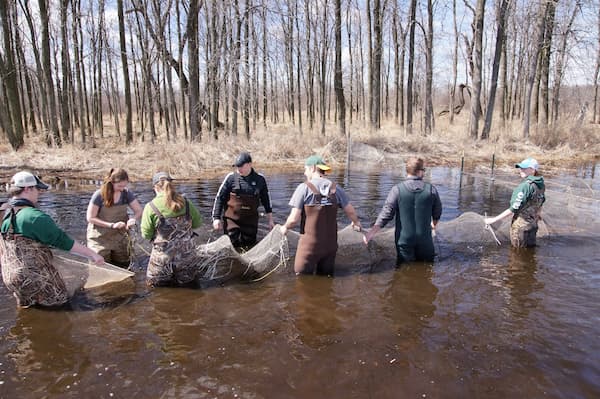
(235, 209)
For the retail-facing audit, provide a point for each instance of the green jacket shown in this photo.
(35, 224)
(531, 188)
(150, 219)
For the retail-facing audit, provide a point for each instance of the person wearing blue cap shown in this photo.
(168, 221)
(525, 205)
(27, 234)
(314, 204)
(235, 208)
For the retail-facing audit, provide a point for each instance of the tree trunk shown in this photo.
(8, 71)
(191, 33)
(411, 67)
(539, 42)
(502, 9)
(339, 87)
(477, 68)
(46, 62)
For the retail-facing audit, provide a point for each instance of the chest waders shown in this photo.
(240, 220)
(172, 259)
(27, 269)
(112, 244)
(524, 224)
(317, 246)
(413, 224)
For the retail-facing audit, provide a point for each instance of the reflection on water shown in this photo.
(480, 322)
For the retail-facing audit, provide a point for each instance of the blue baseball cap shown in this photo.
(528, 163)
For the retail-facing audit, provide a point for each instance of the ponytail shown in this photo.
(175, 201)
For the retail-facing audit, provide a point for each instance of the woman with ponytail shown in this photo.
(108, 220)
(168, 221)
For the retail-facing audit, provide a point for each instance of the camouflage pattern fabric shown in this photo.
(27, 271)
(172, 260)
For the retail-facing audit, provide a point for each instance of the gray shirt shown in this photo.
(303, 195)
(126, 198)
(390, 207)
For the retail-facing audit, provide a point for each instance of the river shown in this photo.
(498, 324)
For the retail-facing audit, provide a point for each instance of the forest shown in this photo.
(73, 71)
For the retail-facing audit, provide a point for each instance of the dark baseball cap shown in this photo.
(242, 159)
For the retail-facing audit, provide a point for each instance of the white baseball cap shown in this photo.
(26, 179)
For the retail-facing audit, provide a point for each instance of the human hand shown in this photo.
(367, 237)
(356, 226)
(271, 225)
(488, 221)
(283, 229)
(118, 225)
(97, 259)
(216, 224)
(131, 222)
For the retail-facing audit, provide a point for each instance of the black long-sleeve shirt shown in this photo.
(251, 184)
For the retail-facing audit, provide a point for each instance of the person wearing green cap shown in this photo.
(314, 204)
(525, 205)
(27, 234)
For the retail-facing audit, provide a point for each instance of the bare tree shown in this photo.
(411, 66)
(339, 87)
(8, 74)
(476, 71)
(47, 66)
(501, 10)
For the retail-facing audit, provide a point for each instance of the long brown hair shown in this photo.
(175, 201)
(107, 190)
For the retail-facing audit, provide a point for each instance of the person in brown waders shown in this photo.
(168, 221)
(314, 204)
(108, 220)
(25, 242)
(235, 209)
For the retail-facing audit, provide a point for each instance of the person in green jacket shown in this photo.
(525, 205)
(27, 234)
(168, 221)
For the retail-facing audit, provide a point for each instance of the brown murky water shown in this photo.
(497, 323)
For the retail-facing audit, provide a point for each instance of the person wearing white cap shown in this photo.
(27, 234)
(108, 221)
(168, 221)
(314, 204)
(525, 205)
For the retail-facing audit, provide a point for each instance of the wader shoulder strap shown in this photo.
(236, 183)
(156, 211)
(187, 209)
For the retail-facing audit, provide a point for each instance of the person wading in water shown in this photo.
(26, 239)
(235, 209)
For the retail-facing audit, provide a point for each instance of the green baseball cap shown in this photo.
(317, 160)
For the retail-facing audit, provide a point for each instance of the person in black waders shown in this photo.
(236, 204)
(314, 204)
(417, 208)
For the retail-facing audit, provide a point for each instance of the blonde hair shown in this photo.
(175, 201)
(107, 189)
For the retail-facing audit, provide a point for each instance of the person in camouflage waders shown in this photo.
(107, 218)
(525, 205)
(168, 221)
(417, 208)
(27, 234)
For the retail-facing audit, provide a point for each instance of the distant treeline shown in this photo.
(71, 68)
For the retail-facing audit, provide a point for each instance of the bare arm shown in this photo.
(137, 212)
(88, 253)
(351, 213)
(501, 216)
(92, 216)
(291, 221)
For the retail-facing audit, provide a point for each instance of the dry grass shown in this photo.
(284, 147)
